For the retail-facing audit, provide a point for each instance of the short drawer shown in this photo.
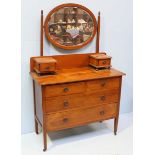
(100, 61)
(103, 84)
(72, 118)
(64, 89)
(104, 63)
(66, 102)
(47, 67)
(102, 97)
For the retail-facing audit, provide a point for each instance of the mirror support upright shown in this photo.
(41, 34)
(98, 34)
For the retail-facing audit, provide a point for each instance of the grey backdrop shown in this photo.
(116, 40)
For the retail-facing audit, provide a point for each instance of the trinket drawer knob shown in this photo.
(103, 84)
(102, 112)
(66, 103)
(102, 98)
(104, 62)
(48, 67)
(65, 120)
(66, 89)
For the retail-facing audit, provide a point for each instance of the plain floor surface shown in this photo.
(94, 139)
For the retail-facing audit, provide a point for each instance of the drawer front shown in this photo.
(68, 102)
(72, 118)
(64, 89)
(103, 84)
(102, 97)
(47, 67)
(105, 62)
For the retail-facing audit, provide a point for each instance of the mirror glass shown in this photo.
(70, 27)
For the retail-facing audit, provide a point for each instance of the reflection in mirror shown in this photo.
(70, 26)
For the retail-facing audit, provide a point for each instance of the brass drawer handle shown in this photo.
(102, 112)
(102, 98)
(66, 89)
(65, 120)
(104, 62)
(66, 103)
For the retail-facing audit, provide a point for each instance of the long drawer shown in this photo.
(64, 89)
(72, 118)
(79, 87)
(66, 102)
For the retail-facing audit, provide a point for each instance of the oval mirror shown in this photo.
(70, 26)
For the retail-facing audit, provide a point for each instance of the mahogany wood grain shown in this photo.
(73, 118)
(41, 34)
(64, 89)
(103, 84)
(75, 92)
(44, 64)
(93, 62)
(75, 75)
(98, 35)
(67, 102)
(100, 63)
(100, 60)
(104, 63)
(66, 61)
(60, 103)
(118, 107)
(102, 97)
(34, 100)
(44, 124)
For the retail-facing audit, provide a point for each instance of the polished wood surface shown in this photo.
(66, 61)
(98, 35)
(77, 117)
(65, 102)
(100, 61)
(104, 63)
(103, 84)
(64, 89)
(74, 75)
(100, 56)
(41, 34)
(68, 102)
(75, 91)
(44, 65)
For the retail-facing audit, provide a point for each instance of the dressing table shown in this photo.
(73, 93)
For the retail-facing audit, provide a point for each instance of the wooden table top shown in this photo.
(74, 75)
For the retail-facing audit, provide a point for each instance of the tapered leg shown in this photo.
(34, 98)
(115, 125)
(36, 127)
(45, 140)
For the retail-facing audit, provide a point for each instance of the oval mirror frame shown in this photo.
(76, 46)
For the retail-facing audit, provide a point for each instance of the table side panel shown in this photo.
(39, 109)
